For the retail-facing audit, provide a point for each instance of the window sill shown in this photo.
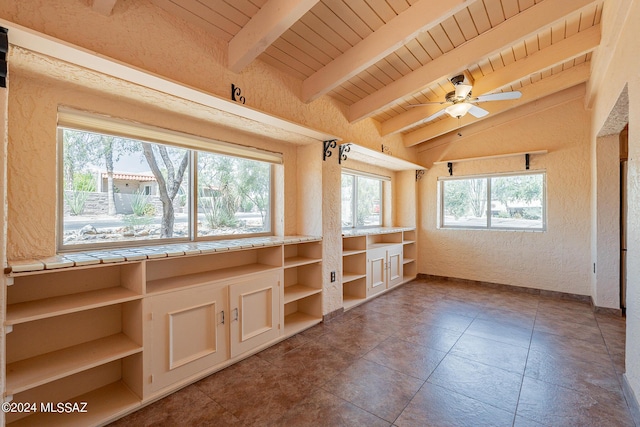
(374, 230)
(140, 253)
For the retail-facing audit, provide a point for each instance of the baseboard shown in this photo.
(607, 310)
(632, 402)
(534, 291)
(330, 316)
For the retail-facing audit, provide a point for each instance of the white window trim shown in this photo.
(91, 122)
(381, 178)
(440, 198)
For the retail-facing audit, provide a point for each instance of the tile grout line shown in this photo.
(434, 369)
(515, 414)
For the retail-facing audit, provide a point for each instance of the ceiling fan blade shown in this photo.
(502, 96)
(435, 115)
(477, 111)
(427, 103)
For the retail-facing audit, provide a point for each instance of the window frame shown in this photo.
(488, 178)
(354, 197)
(101, 126)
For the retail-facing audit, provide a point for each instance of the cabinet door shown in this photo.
(376, 271)
(255, 311)
(394, 265)
(187, 333)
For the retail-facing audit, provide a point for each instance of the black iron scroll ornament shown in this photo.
(328, 145)
(344, 149)
(236, 94)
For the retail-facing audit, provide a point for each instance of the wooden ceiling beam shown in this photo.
(105, 7)
(513, 30)
(545, 87)
(271, 21)
(390, 37)
(569, 48)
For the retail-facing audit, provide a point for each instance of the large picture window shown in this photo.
(361, 201)
(509, 201)
(118, 191)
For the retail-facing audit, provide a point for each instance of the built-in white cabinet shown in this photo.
(187, 334)
(384, 268)
(254, 311)
(119, 335)
(374, 261)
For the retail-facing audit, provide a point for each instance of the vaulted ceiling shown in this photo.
(381, 56)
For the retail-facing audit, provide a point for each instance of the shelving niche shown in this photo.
(375, 260)
(354, 270)
(302, 291)
(409, 251)
(165, 275)
(75, 335)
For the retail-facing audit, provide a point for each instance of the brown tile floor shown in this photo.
(426, 354)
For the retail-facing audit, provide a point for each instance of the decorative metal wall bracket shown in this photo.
(450, 167)
(4, 48)
(419, 174)
(344, 149)
(526, 161)
(385, 149)
(236, 94)
(328, 145)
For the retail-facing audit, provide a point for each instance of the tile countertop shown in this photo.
(376, 230)
(106, 256)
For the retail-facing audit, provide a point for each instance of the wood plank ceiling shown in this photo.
(380, 56)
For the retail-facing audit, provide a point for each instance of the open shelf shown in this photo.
(297, 292)
(350, 301)
(353, 252)
(104, 403)
(171, 274)
(35, 371)
(302, 313)
(302, 254)
(407, 260)
(380, 240)
(298, 321)
(195, 279)
(300, 260)
(350, 277)
(56, 306)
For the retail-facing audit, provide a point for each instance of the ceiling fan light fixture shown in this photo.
(462, 91)
(459, 109)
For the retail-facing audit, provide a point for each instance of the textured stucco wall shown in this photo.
(620, 36)
(309, 187)
(32, 153)
(557, 259)
(405, 206)
(606, 284)
(331, 234)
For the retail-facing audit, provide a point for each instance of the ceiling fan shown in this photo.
(462, 102)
